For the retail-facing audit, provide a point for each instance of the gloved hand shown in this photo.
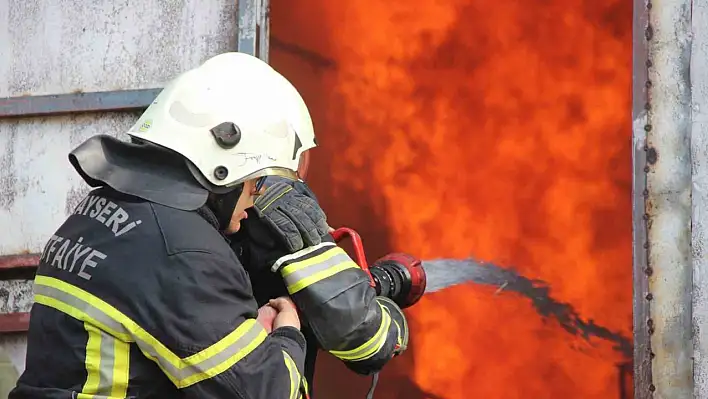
(399, 318)
(376, 363)
(290, 211)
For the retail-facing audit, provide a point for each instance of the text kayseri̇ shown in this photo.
(74, 257)
(107, 212)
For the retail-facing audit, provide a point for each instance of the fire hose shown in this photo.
(397, 276)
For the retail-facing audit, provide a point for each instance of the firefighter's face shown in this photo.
(245, 201)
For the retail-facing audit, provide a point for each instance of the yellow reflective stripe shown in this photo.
(250, 329)
(77, 314)
(301, 274)
(205, 364)
(121, 369)
(370, 347)
(404, 336)
(305, 387)
(313, 261)
(306, 282)
(107, 362)
(294, 375)
(93, 360)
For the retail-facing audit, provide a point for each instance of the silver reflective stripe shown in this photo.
(107, 365)
(182, 372)
(287, 258)
(111, 324)
(108, 357)
(254, 334)
(293, 275)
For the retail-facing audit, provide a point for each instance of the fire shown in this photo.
(497, 130)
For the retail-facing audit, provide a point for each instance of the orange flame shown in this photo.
(498, 130)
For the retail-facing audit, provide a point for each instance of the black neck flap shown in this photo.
(145, 171)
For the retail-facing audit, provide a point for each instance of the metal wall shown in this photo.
(671, 198)
(65, 46)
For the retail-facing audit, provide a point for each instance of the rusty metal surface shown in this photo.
(699, 196)
(19, 261)
(668, 199)
(640, 296)
(14, 322)
(58, 104)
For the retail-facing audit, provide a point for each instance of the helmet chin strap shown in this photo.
(223, 206)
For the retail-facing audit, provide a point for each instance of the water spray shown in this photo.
(405, 279)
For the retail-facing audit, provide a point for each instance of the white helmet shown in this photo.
(234, 118)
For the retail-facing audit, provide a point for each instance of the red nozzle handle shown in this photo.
(359, 253)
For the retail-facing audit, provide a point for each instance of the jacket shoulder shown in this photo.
(185, 231)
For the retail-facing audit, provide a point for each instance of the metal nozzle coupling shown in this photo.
(400, 277)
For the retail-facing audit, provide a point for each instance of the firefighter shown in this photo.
(138, 294)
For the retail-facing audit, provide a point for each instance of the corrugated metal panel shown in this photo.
(668, 199)
(63, 46)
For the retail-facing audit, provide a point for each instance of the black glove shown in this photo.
(290, 211)
(376, 363)
(399, 318)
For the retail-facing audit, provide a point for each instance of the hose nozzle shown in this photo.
(397, 276)
(400, 277)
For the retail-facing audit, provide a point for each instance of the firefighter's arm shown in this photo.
(210, 333)
(342, 309)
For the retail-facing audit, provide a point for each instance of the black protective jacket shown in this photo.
(340, 311)
(138, 300)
